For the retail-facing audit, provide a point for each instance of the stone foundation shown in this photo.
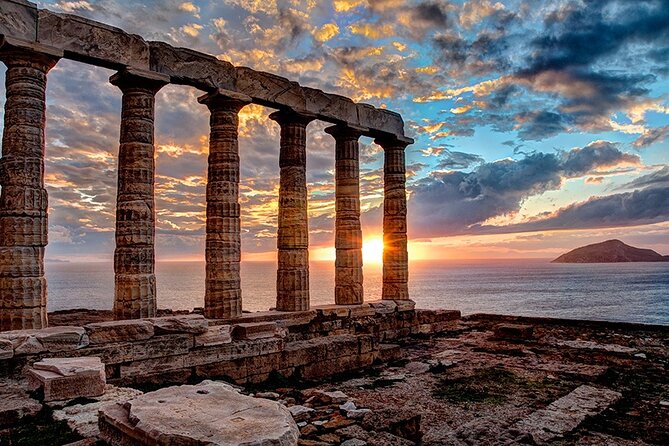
(308, 345)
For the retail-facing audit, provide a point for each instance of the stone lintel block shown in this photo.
(383, 306)
(18, 19)
(331, 106)
(255, 330)
(514, 332)
(119, 331)
(67, 378)
(92, 42)
(215, 335)
(382, 121)
(156, 347)
(189, 323)
(270, 89)
(51, 339)
(187, 67)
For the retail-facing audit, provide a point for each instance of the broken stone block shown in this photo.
(67, 378)
(567, 413)
(255, 330)
(51, 339)
(514, 332)
(207, 413)
(189, 323)
(16, 404)
(6, 349)
(83, 418)
(119, 331)
(300, 413)
(383, 306)
(215, 335)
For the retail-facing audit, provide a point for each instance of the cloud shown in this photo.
(652, 136)
(460, 202)
(657, 178)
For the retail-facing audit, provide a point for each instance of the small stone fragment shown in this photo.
(348, 405)
(300, 413)
(354, 442)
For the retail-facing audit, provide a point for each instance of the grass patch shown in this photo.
(488, 386)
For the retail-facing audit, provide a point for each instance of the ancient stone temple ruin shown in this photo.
(34, 40)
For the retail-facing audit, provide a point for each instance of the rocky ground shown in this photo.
(490, 382)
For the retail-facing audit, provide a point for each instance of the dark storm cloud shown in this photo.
(639, 207)
(450, 159)
(657, 178)
(541, 124)
(460, 202)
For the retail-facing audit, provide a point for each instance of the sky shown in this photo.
(539, 126)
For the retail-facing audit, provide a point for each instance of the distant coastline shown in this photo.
(610, 251)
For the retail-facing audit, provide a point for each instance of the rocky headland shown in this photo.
(610, 251)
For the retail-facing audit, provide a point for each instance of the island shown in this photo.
(610, 251)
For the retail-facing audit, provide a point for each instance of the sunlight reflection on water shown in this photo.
(633, 292)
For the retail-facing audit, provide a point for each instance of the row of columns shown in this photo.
(23, 203)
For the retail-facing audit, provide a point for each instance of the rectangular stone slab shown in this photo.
(18, 18)
(92, 42)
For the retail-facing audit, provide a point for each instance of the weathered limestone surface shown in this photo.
(16, 404)
(223, 292)
(67, 378)
(395, 254)
(190, 323)
(207, 413)
(18, 19)
(51, 339)
(292, 282)
(92, 42)
(119, 331)
(348, 232)
(567, 413)
(134, 256)
(23, 201)
(83, 418)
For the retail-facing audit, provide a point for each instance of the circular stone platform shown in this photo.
(210, 413)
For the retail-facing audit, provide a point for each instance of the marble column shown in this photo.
(395, 256)
(292, 282)
(348, 233)
(23, 201)
(223, 292)
(134, 257)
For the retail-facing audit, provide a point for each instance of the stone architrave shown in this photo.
(292, 282)
(348, 233)
(223, 292)
(134, 257)
(24, 202)
(395, 255)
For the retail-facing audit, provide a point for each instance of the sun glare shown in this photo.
(372, 250)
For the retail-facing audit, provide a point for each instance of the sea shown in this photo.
(627, 292)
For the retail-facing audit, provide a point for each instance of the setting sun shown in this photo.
(372, 250)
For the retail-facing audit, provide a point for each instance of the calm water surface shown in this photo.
(633, 292)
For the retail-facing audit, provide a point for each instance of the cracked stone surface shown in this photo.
(207, 413)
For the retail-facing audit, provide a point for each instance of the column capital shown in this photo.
(394, 141)
(288, 116)
(16, 52)
(132, 77)
(225, 99)
(346, 131)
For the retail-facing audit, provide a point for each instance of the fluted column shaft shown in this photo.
(348, 233)
(134, 256)
(395, 255)
(292, 282)
(23, 202)
(223, 293)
